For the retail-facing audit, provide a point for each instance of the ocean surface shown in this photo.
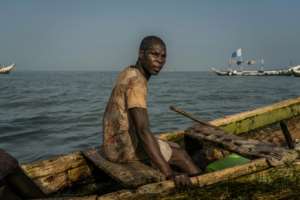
(47, 113)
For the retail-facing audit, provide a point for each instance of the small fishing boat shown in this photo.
(265, 139)
(296, 70)
(237, 59)
(6, 69)
(231, 72)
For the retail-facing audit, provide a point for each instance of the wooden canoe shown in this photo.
(6, 69)
(73, 176)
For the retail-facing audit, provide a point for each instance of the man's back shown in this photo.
(119, 138)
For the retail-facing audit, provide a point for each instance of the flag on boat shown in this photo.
(237, 53)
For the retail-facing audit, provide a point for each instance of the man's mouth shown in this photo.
(156, 69)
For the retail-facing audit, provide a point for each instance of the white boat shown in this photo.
(236, 58)
(222, 73)
(6, 69)
(296, 70)
(231, 72)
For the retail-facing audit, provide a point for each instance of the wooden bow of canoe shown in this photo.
(257, 135)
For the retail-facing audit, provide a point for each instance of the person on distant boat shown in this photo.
(126, 132)
(14, 184)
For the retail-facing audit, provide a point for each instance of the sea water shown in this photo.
(48, 113)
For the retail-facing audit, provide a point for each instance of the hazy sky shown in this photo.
(105, 35)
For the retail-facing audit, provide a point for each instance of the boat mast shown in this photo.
(291, 63)
(229, 63)
(239, 58)
(262, 63)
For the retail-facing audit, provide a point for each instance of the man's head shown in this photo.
(152, 54)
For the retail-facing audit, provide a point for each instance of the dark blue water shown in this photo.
(48, 113)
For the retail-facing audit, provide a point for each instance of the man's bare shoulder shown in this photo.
(129, 74)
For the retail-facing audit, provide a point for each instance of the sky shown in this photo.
(105, 35)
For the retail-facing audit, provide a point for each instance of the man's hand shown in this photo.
(181, 180)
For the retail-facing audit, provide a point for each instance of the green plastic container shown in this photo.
(229, 161)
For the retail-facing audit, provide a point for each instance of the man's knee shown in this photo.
(8, 164)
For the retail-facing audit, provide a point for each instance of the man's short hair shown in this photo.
(148, 41)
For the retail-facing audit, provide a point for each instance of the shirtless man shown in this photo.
(126, 132)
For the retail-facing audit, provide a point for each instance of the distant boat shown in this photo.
(296, 70)
(231, 72)
(237, 59)
(6, 69)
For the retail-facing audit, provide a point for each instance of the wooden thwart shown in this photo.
(246, 147)
(58, 172)
(130, 175)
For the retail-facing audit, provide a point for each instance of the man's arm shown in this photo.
(141, 121)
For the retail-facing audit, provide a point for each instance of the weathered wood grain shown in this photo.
(167, 187)
(131, 174)
(258, 170)
(58, 172)
(54, 165)
(250, 120)
(274, 183)
(251, 124)
(260, 117)
(209, 178)
(246, 147)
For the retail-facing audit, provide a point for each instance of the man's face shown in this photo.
(154, 58)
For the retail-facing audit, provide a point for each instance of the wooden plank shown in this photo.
(250, 120)
(257, 170)
(273, 133)
(52, 183)
(166, 187)
(246, 147)
(209, 178)
(260, 117)
(273, 183)
(130, 175)
(58, 172)
(54, 165)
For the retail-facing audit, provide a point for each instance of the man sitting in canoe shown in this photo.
(14, 184)
(126, 132)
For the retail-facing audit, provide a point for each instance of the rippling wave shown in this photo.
(48, 113)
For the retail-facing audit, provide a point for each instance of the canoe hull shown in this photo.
(7, 70)
(72, 174)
